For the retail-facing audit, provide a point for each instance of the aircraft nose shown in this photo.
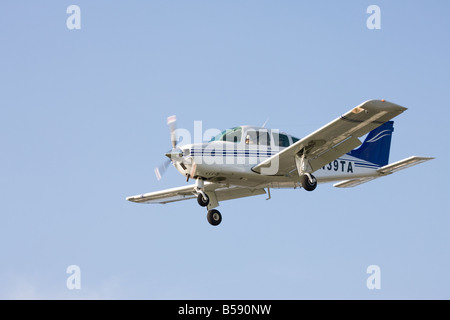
(175, 153)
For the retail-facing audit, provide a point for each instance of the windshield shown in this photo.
(230, 135)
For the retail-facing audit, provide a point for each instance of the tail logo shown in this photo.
(380, 135)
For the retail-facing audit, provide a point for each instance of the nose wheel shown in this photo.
(214, 217)
(202, 199)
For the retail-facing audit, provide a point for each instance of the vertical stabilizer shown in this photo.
(377, 145)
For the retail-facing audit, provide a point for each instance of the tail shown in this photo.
(376, 146)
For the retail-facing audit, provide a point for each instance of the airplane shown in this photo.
(247, 160)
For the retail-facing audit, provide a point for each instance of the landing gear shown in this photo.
(214, 217)
(202, 199)
(308, 181)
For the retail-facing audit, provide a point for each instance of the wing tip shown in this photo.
(383, 105)
(134, 198)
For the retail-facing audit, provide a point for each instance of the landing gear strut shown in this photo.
(308, 181)
(214, 217)
(202, 198)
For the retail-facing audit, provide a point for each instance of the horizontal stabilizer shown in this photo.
(402, 164)
(383, 171)
(353, 182)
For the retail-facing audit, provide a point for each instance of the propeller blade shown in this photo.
(159, 171)
(172, 127)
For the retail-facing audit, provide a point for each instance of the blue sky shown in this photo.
(84, 123)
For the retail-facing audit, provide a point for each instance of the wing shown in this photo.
(332, 140)
(383, 171)
(216, 192)
(166, 196)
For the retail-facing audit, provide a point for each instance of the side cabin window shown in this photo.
(257, 137)
(294, 140)
(280, 139)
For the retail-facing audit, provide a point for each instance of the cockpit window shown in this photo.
(257, 137)
(230, 135)
(280, 140)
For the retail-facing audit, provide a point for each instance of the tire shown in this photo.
(202, 201)
(306, 184)
(214, 217)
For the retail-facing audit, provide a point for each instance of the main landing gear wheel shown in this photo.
(306, 182)
(214, 217)
(203, 199)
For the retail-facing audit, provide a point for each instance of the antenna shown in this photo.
(267, 120)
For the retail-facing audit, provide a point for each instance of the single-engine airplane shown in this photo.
(247, 160)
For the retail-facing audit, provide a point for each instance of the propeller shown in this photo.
(175, 152)
(159, 171)
(172, 127)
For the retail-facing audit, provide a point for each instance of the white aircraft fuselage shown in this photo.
(231, 162)
(247, 161)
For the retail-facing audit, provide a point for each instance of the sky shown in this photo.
(83, 125)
